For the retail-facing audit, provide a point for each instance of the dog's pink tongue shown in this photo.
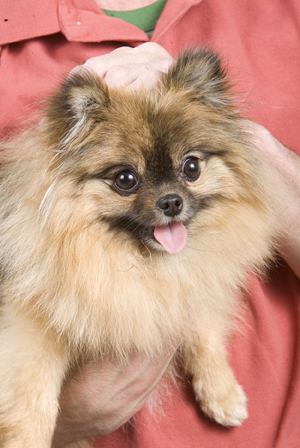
(172, 237)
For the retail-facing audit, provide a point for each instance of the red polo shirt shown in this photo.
(260, 40)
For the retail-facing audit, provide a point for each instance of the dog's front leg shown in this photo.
(31, 372)
(220, 396)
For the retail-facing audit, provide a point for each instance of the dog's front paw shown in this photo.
(227, 407)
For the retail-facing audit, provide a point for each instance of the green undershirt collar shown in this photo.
(143, 18)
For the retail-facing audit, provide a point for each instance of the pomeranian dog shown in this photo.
(128, 220)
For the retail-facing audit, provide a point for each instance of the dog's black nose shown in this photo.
(170, 205)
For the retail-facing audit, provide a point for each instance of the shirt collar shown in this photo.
(84, 21)
(78, 20)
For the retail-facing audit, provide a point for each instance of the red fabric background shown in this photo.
(260, 41)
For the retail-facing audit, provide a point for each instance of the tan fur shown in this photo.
(74, 288)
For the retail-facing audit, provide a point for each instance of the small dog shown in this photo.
(128, 220)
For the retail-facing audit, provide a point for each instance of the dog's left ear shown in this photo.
(82, 101)
(200, 73)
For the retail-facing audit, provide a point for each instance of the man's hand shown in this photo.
(139, 67)
(103, 396)
(286, 166)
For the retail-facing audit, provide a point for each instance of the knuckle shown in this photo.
(95, 62)
(153, 47)
(123, 49)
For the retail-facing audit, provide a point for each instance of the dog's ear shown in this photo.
(82, 101)
(200, 73)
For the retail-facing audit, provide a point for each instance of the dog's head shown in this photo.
(152, 165)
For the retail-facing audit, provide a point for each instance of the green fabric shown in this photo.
(143, 18)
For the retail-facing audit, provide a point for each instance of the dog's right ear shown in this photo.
(200, 73)
(81, 101)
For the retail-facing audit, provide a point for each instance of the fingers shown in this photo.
(145, 53)
(139, 67)
(136, 76)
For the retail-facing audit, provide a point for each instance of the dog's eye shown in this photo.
(126, 181)
(191, 168)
